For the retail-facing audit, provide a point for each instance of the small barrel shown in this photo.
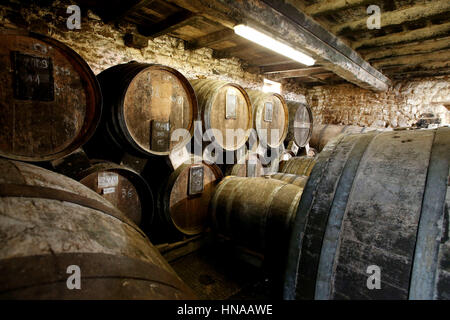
(224, 107)
(300, 123)
(124, 188)
(373, 221)
(301, 166)
(257, 213)
(144, 104)
(54, 228)
(299, 181)
(270, 117)
(323, 133)
(182, 199)
(252, 167)
(50, 99)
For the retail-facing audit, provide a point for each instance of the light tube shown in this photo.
(272, 44)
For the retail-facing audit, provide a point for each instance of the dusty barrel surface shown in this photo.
(183, 197)
(49, 222)
(300, 123)
(50, 99)
(374, 201)
(301, 166)
(299, 181)
(323, 133)
(144, 104)
(124, 188)
(257, 213)
(270, 117)
(224, 107)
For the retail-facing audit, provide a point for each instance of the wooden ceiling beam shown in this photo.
(426, 46)
(397, 17)
(124, 9)
(173, 22)
(284, 67)
(305, 72)
(211, 39)
(429, 32)
(414, 59)
(326, 7)
(287, 24)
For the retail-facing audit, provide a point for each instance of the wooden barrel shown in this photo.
(299, 181)
(144, 104)
(323, 133)
(301, 166)
(270, 117)
(182, 200)
(50, 99)
(300, 123)
(224, 106)
(257, 213)
(251, 167)
(375, 207)
(51, 226)
(124, 188)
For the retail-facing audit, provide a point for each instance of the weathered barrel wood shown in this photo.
(251, 167)
(299, 181)
(124, 188)
(224, 106)
(270, 117)
(257, 213)
(300, 123)
(374, 199)
(301, 166)
(323, 133)
(182, 199)
(50, 99)
(49, 222)
(143, 105)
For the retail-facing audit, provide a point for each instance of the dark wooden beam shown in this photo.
(173, 22)
(233, 51)
(211, 39)
(124, 8)
(327, 7)
(305, 72)
(414, 59)
(287, 24)
(284, 67)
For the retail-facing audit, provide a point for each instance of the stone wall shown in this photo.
(102, 46)
(401, 106)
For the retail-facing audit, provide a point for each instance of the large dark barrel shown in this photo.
(323, 133)
(144, 104)
(294, 179)
(224, 106)
(374, 201)
(270, 116)
(50, 99)
(182, 200)
(300, 123)
(257, 213)
(124, 188)
(51, 225)
(301, 166)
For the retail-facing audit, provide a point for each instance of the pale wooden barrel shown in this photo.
(299, 181)
(49, 222)
(301, 166)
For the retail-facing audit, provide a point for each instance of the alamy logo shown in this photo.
(74, 280)
(374, 21)
(374, 280)
(73, 21)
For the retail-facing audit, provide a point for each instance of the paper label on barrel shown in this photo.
(230, 106)
(160, 136)
(293, 147)
(268, 112)
(108, 190)
(107, 179)
(33, 77)
(195, 180)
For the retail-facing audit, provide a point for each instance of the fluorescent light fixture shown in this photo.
(271, 86)
(272, 44)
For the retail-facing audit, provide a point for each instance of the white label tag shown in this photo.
(108, 190)
(107, 179)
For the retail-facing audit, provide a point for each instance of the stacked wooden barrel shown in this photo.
(144, 105)
(50, 99)
(375, 205)
(300, 123)
(53, 226)
(301, 166)
(224, 107)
